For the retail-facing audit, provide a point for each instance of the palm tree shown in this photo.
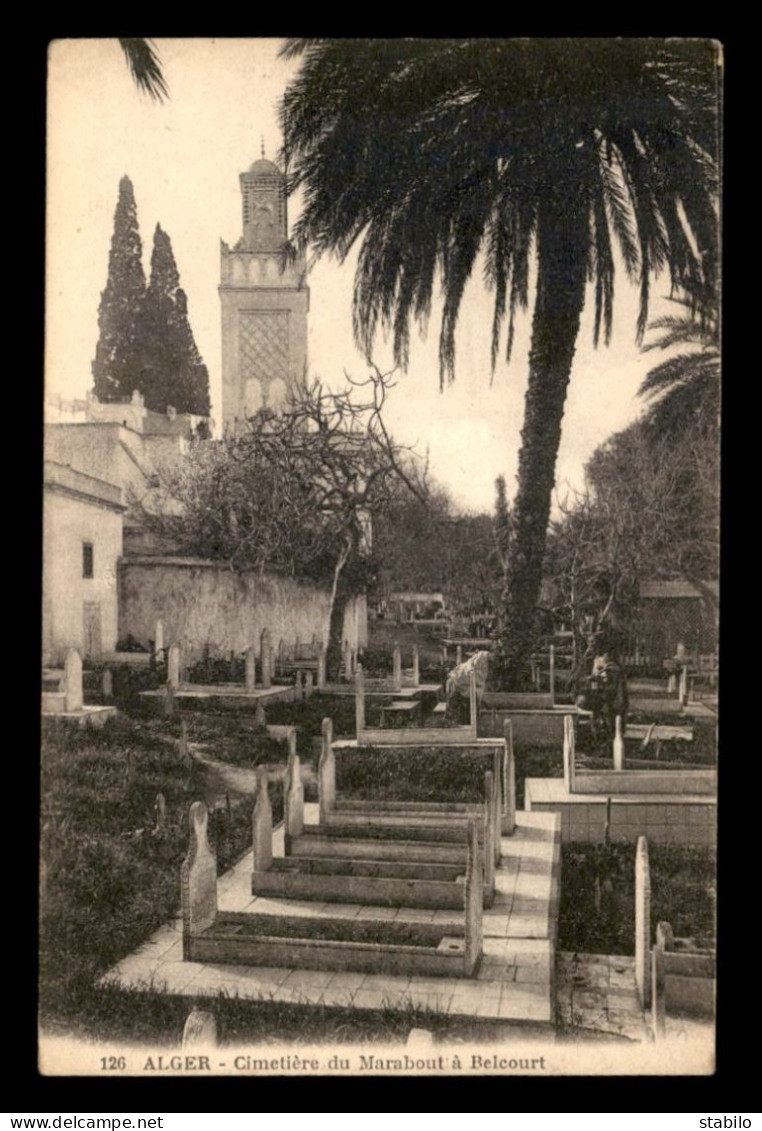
(685, 388)
(145, 67)
(431, 153)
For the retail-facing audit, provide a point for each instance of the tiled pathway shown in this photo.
(515, 978)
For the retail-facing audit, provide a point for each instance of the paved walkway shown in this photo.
(597, 997)
(516, 975)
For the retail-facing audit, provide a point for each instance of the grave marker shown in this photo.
(158, 640)
(260, 719)
(509, 782)
(182, 746)
(266, 658)
(200, 1030)
(169, 700)
(309, 685)
(251, 668)
(326, 771)
(552, 673)
(299, 686)
(359, 701)
(618, 744)
(458, 655)
(107, 684)
(397, 668)
(642, 922)
(321, 664)
(569, 754)
(173, 666)
(198, 879)
(416, 666)
(262, 825)
(73, 698)
(293, 800)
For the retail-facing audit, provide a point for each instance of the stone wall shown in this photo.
(203, 603)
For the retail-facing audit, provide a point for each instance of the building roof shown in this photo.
(263, 167)
(679, 587)
(64, 479)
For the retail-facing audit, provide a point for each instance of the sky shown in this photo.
(184, 157)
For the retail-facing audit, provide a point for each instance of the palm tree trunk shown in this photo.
(562, 248)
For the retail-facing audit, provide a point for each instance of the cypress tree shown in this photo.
(119, 355)
(176, 374)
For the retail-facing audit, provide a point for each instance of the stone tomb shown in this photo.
(397, 856)
(670, 806)
(228, 693)
(63, 696)
(324, 943)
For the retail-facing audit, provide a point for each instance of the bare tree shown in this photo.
(294, 491)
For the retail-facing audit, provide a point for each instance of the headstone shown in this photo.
(458, 655)
(682, 691)
(321, 664)
(293, 800)
(474, 899)
(251, 668)
(262, 825)
(671, 684)
(158, 640)
(359, 702)
(642, 922)
(569, 754)
(182, 746)
(680, 651)
(658, 994)
(260, 718)
(416, 666)
(309, 685)
(346, 659)
(198, 878)
(160, 812)
(173, 665)
(552, 673)
(169, 700)
(299, 686)
(107, 684)
(397, 667)
(618, 744)
(326, 771)
(200, 1030)
(266, 658)
(509, 782)
(73, 699)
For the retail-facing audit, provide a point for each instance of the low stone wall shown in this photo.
(683, 782)
(533, 727)
(664, 820)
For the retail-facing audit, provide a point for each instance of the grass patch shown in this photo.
(597, 909)
(109, 878)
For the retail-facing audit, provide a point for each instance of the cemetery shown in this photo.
(331, 750)
(390, 867)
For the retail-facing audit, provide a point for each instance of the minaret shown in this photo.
(264, 302)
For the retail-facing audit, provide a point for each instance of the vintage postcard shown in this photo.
(380, 584)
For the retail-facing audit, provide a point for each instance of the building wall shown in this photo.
(201, 603)
(67, 523)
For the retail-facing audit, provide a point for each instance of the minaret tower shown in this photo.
(264, 302)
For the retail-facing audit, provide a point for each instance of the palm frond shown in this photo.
(145, 67)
